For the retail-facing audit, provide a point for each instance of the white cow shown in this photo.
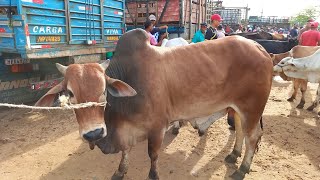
(307, 68)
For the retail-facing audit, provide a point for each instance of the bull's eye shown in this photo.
(70, 94)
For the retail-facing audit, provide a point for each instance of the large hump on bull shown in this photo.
(132, 41)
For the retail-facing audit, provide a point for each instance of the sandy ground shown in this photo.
(46, 145)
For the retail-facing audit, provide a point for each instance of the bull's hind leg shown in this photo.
(154, 144)
(316, 101)
(252, 133)
(123, 167)
(232, 158)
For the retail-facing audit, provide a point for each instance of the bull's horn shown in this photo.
(105, 64)
(61, 68)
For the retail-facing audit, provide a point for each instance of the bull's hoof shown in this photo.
(175, 131)
(117, 176)
(231, 159)
(290, 99)
(153, 175)
(310, 108)
(300, 106)
(201, 132)
(237, 175)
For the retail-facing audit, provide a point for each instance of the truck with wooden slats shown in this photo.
(183, 17)
(36, 34)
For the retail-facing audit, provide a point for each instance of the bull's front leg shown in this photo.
(296, 84)
(316, 101)
(155, 139)
(123, 166)
(303, 89)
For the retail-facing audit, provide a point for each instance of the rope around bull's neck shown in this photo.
(64, 107)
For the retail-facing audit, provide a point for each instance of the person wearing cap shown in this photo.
(148, 27)
(306, 28)
(311, 37)
(212, 31)
(156, 30)
(199, 35)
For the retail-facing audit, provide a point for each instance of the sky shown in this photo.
(285, 8)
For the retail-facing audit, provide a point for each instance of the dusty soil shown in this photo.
(46, 145)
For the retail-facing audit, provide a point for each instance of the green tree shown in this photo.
(302, 17)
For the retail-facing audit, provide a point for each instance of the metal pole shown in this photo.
(190, 18)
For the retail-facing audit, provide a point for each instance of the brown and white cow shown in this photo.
(178, 83)
(296, 52)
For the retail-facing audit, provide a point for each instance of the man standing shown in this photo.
(220, 32)
(199, 35)
(311, 37)
(308, 26)
(239, 30)
(212, 31)
(294, 31)
(156, 30)
(148, 27)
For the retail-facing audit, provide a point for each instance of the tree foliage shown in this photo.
(302, 17)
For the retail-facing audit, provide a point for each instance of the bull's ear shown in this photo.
(119, 88)
(49, 97)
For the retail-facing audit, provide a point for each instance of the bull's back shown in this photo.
(303, 51)
(231, 57)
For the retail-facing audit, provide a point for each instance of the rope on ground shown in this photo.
(64, 107)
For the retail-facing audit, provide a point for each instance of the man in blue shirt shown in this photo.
(294, 31)
(199, 35)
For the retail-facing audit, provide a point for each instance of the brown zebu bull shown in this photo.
(172, 84)
(296, 52)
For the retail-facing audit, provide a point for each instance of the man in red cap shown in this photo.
(212, 31)
(306, 28)
(311, 37)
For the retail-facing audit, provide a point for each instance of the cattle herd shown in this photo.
(148, 88)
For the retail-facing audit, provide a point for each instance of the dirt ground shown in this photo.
(46, 145)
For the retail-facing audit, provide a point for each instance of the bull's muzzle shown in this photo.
(94, 135)
(277, 68)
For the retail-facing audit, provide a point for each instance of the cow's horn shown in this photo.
(61, 68)
(105, 64)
